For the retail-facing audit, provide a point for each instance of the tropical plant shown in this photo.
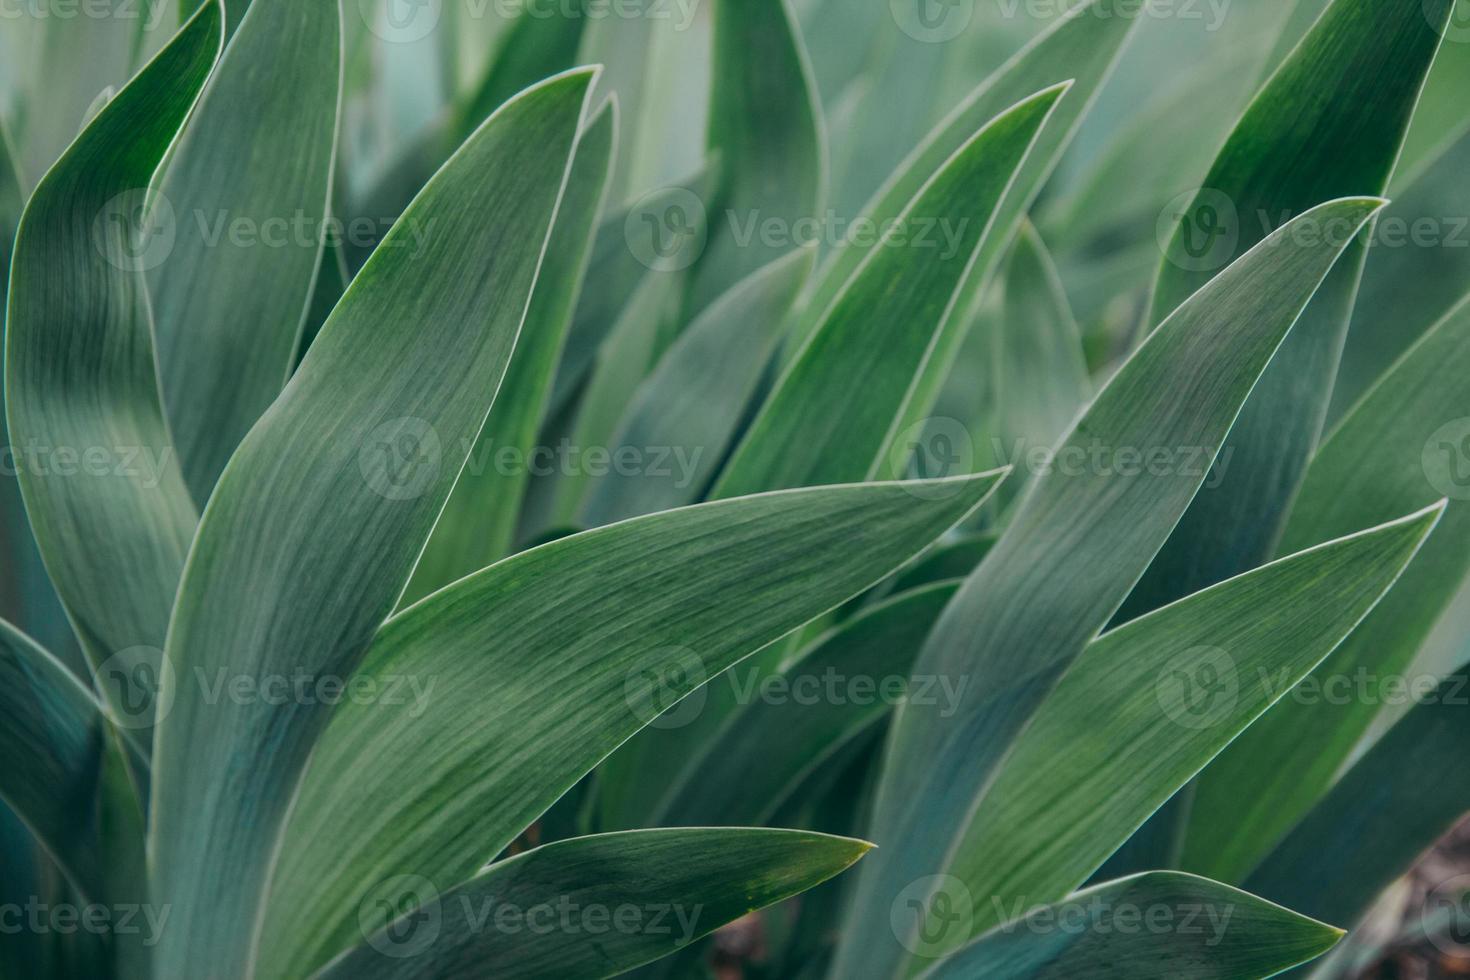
(478, 470)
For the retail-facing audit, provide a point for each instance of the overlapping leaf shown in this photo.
(1079, 540)
(538, 667)
(317, 521)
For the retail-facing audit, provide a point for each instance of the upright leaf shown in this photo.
(765, 128)
(1402, 447)
(882, 329)
(244, 198)
(479, 521)
(108, 506)
(1210, 932)
(1149, 704)
(670, 887)
(1080, 538)
(611, 620)
(318, 519)
(1330, 122)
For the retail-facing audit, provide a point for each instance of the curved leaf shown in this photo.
(247, 225)
(1400, 448)
(882, 329)
(594, 906)
(1079, 539)
(81, 395)
(317, 521)
(479, 521)
(1157, 925)
(620, 622)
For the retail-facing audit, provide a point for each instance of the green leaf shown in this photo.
(318, 519)
(56, 742)
(1402, 447)
(479, 521)
(541, 42)
(1078, 541)
(81, 395)
(1038, 371)
(839, 688)
(1083, 47)
(231, 283)
(765, 128)
(1407, 792)
(883, 327)
(610, 619)
(686, 413)
(1157, 925)
(610, 903)
(1329, 123)
(951, 559)
(1149, 704)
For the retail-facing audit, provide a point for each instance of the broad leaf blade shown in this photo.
(692, 881)
(1329, 123)
(882, 328)
(479, 521)
(317, 521)
(1234, 936)
(1402, 447)
(834, 692)
(230, 294)
(1149, 704)
(1078, 541)
(79, 376)
(611, 621)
